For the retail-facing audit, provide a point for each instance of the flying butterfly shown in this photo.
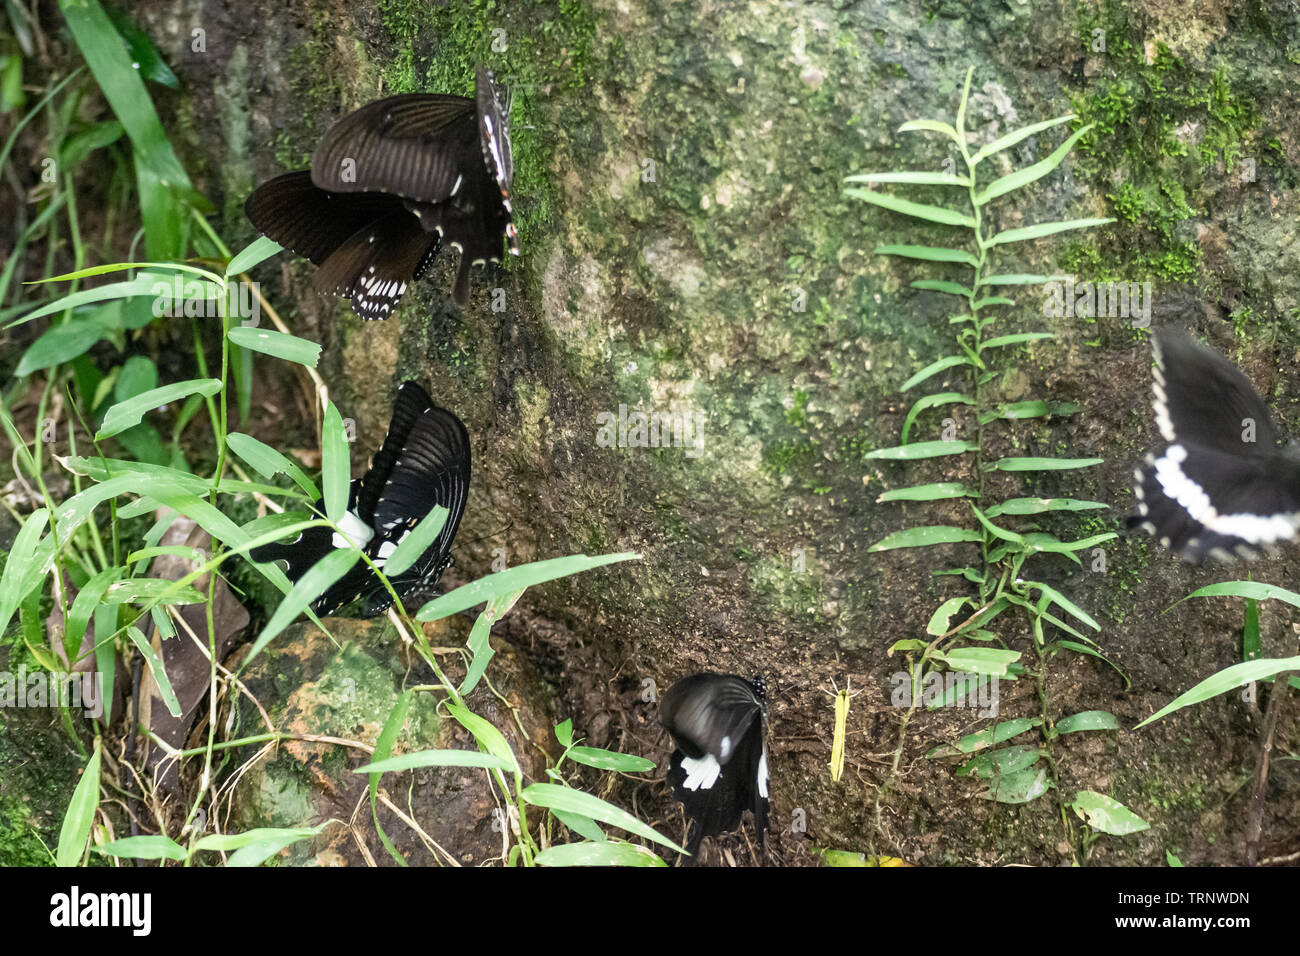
(424, 462)
(719, 769)
(1220, 486)
(389, 186)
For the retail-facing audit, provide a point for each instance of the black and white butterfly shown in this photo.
(423, 462)
(389, 186)
(719, 769)
(1220, 485)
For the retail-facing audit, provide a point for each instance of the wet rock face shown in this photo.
(310, 686)
(689, 252)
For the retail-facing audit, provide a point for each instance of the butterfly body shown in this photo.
(1220, 485)
(719, 769)
(423, 463)
(389, 186)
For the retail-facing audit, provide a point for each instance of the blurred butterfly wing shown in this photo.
(498, 156)
(709, 714)
(472, 223)
(374, 266)
(1201, 501)
(414, 145)
(308, 220)
(1201, 397)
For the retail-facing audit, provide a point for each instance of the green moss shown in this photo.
(1160, 130)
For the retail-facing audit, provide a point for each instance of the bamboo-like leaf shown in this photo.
(281, 345)
(336, 470)
(1016, 338)
(930, 126)
(593, 853)
(928, 253)
(514, 579)
(556, 797)
(942, 285)
(268, 462)
(1014, 278)
(917, 177)
(1064, 603)
(1042, 229)
(1023, 177)
(1015, 136)
(438, 758)
(1002, 762)
(156, 668)
(609, 760)
(1225, 680)
(1034, 408)
(258, 250)
(308, 588)
(939, 214)
(416, 541)
(157, 847)
(931, 401)
(934, 368)
(922, 449)
(125, 414)
(1023, 786)
(1256, 590)
(1043, 464)
(991, 301)
(1093, 652)
(925, 536)
(1034, 506)
(75, 832)
(941, 620)
(932, 492)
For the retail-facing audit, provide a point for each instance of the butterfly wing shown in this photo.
(719, 768)
(1211, 491)
(498, 157)
(308, 220)
(374, 266)
(424, 462)
(416, 146)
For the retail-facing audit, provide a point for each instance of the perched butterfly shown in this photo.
(1220, 486)
(719, 769)
(392, 183)
(423, 462)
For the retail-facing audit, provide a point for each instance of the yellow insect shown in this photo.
(842, 698)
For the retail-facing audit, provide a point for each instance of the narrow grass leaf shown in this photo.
(914, 177)
(922, 449)
(1225, 680)
(259, 250)
(157, 847)
(556, 797)
(925, 536)
(936, 491)
(514, 579)
(1029, 174)
(125, 414)
(934, 368)
(939, 214)
(336, 469)
(1044, 229)
(1015, 136)
(928, 253)
(156, 668)
(609, 760)
(279, 344)
(416, 541)
(268, 462)
(1087, 720)
(75, 832)
(598, 854)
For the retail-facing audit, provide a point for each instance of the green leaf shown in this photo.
(925, 536)
(1106, 815)
(598, 854)
(125, 414)
(514, 579)
(1043, 464)
(1013, 278)
(982, 660)
(989, 737)
(915, 177)
(941, 619)
(564, 733)
(934, 368)
(75, 832)
(438, 758)
(931, 401)
(1015, 136)
(610, 760)
(62, 343)
(1255, 590)
(156, 668)
(583, 826)
(1023, 786)
(1015, 339)
(1225, 680)
(272, 842)
(1044, 229)
(930, 126)
(268, 462)
(1035, 408)
(480, 647)
(336, 469)
(942, 285)
(319, 577)
(279, 344)
(1033, 506)
(28, 561)
(556, 797)
(928, 253)
(1085, 649)
(416, 541)
(922, 449)
(83, 606)
(1008, 760)
(392, 729)
(932, 492)
(1023, 177)
(487, 736)
(1064, 603)
(1087, 720)
(258, 250)
(225, 842)
(948, 217)
(144, 848)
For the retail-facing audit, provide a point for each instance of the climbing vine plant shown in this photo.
(1006, 532)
